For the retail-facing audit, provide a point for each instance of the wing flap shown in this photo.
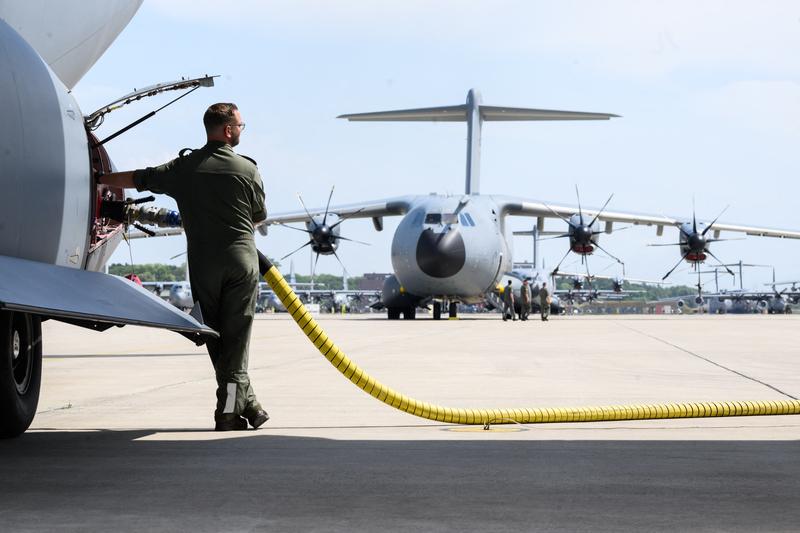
(86, 298)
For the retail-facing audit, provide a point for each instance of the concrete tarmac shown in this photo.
(122, 439)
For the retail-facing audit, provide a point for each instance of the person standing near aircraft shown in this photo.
(525, 300)
(220, 197)
(544, 302)
(508, 302)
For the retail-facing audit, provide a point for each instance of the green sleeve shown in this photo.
(257, 206)
(162, 179)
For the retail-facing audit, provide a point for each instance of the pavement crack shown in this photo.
(706, 359)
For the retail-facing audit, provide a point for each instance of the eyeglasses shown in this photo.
(241, 126)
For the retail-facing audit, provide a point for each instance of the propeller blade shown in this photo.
(580, 211)
(555, 270)
(601, 210)
(354, 213)
(352, 240)
(682, 259)
(306, 209)
(694, 218)
(177, 255)
(618, 260)
(559, 216)
(720, 263)
(325, 217)
(715, 220)
(292, 227)
(554, 237)
(730, 239)
(669, 244)
(340, 263)
(294, 252)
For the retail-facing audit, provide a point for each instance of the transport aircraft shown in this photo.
(455, 248)
(56, 232)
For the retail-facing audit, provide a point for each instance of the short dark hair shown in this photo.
(217, 115)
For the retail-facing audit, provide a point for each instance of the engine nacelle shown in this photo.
(699, 300)
(762, 305)
(680, 304)
(44, 154)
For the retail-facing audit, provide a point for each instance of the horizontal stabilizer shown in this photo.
(458, 113)
(453, 113)
(90, 299)
(519, 113)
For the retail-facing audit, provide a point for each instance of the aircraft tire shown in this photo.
(410, 313)
(393, 313)
(20, 371)
(437, 310)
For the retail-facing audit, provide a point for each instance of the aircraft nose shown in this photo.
(441, 255)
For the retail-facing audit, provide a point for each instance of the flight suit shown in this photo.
(525, 301)
(544, 305)
(220, 196)
(508, 303)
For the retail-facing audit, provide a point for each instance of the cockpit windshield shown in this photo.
(441, 218)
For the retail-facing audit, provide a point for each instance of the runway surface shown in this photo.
(122, 439)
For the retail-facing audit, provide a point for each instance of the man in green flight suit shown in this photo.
(220, 197)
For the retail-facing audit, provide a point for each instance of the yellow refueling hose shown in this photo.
(485, 417)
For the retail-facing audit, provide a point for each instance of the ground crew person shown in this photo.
(508, 302)
(220, 196)
(544, 302)
(525, 300)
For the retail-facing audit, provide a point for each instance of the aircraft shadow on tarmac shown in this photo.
(112, 480)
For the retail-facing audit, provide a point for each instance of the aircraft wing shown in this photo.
(371, 209)
(536, 208)
(90, 299)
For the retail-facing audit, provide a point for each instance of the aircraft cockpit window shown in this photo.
(469, 219)
(433, 218)
(449, 218)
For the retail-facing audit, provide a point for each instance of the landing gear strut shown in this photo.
(437, 310)
(20, 371)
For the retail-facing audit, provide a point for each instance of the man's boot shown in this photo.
(256, 416)
(229, 422)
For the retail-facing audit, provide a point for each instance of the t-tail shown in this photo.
(474, 113)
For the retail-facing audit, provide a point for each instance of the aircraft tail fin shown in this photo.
(473, 113)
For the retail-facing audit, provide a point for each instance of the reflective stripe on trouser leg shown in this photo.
(230, 402)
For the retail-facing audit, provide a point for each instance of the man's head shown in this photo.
(544, 284)
(525, 281)
(223, 123)
(509, 282)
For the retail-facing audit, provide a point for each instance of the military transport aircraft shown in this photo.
(56, 232)
(455, 248)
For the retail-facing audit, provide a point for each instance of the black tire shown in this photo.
(453, 310)
(20, 371)
(437, 310)
(410, 313)
(393, 313)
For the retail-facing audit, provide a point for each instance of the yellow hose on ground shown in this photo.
(378, 390)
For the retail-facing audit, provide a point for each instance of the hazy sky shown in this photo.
(709, 94)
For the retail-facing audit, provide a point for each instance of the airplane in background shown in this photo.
(454, 248)
(58, 226)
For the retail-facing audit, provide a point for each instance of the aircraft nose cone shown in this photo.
(697, 243)
(583, 234)
(441, 255)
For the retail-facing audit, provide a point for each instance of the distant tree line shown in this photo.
(150, 271)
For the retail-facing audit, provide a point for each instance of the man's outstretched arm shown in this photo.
(118, 179)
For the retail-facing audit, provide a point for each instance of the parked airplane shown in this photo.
(56, 234)
(454, 248)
